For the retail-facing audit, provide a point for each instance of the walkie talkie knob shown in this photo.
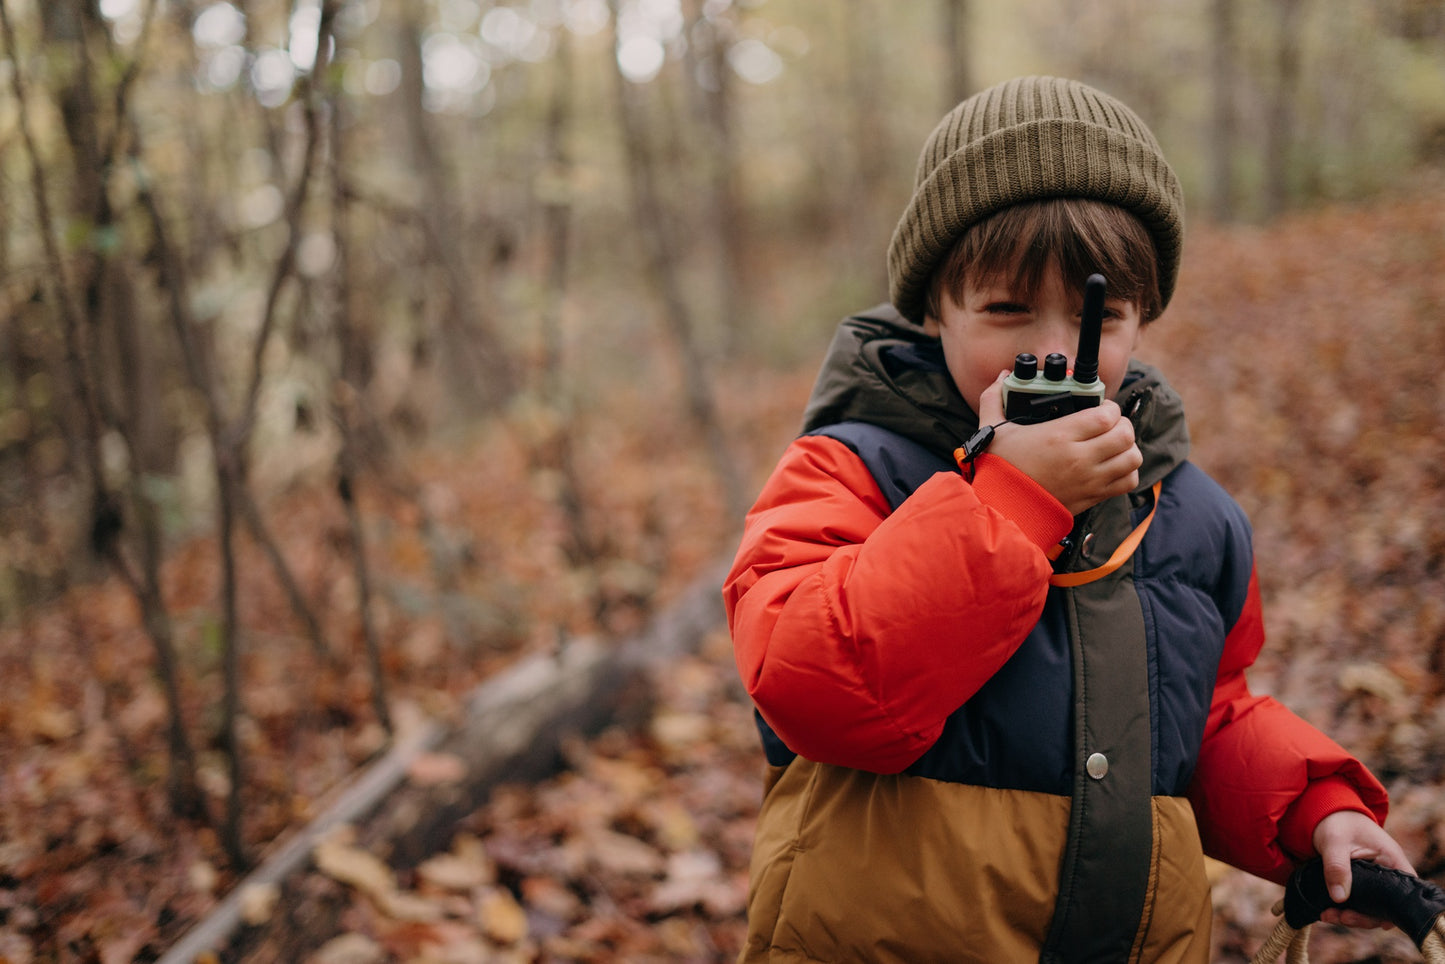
(1056, 367)
(1026, 366)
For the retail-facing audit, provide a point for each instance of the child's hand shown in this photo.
(1080, 459)
(1342, 836)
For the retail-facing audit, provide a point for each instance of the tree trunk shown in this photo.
(232, 832)
(555, 450)
(1279, 141)
(712, 82)
(659, 249)
(1223, 141)
(956, 44)
(63, 24)
(477, 362)
(346, 485)
(865, 82)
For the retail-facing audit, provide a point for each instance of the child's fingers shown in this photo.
(1104, 421)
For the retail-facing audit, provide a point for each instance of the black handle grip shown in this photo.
(1409, 903)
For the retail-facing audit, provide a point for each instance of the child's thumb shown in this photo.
(1337, 877)
(990, 403)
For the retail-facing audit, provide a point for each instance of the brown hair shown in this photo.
(1080, 236)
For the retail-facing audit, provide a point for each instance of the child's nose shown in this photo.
(1059, 338)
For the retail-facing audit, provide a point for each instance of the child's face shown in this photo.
(998, 319)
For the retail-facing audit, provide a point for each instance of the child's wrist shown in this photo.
(1320, 799)
(1003, 487)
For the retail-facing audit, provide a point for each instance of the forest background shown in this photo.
(353, 349)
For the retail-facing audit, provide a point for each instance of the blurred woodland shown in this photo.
(350, 349)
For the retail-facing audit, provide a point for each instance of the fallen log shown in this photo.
(513, 729)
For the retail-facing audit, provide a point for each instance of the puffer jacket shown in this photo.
(967, 762)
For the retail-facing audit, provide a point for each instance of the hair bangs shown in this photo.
(1019, 244)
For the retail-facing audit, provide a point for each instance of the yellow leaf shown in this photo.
(1374, 679)
(203, 877)
(54, 723)
(681, 731)
(337, 859)
(258, 901)
(503, 920)
(466, 867)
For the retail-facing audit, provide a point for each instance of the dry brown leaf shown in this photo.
(123, 950)
(436, 769)
(349, 949)
(697, 878)
(339, 860)
(503, 920)
(54, 723)
(680, 731)
(462, 869)
(1374, 679)
(620, 854)
(550, 897)
(628, 779)
(409, 907)
(202, 877)
(258, 902)
(674, 825)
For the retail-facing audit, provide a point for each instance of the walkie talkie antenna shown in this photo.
(1091, 326)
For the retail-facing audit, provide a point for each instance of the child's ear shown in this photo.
(930, 326)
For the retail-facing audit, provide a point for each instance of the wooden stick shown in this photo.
(514, 726)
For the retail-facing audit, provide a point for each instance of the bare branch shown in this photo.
(58, 284)
(659, 252)
(295, 205)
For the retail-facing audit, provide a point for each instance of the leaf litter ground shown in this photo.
(1307, 354)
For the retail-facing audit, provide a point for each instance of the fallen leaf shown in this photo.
(550, 897)
(680, 731)
(355, 867)
(349, 949)
(436, 769)
(203, 877)
(456, 871)
(406, 906)
(621, 854)
(693, 877)
(258, 901)
(1374, 679)
(503, 920)
(54, 723)
(675, 827)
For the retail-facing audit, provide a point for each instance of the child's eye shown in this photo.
(1005, 308)
(1108, 314)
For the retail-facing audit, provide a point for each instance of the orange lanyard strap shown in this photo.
(1121, 555)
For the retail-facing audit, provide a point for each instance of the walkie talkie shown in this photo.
(1030, 397)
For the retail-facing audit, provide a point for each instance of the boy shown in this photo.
(1003, 697)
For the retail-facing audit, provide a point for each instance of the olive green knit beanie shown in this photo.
(1028, 139)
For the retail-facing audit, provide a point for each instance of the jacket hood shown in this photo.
(883, 369)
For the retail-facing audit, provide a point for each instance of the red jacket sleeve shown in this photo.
(1266, 777)
(856, 631)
